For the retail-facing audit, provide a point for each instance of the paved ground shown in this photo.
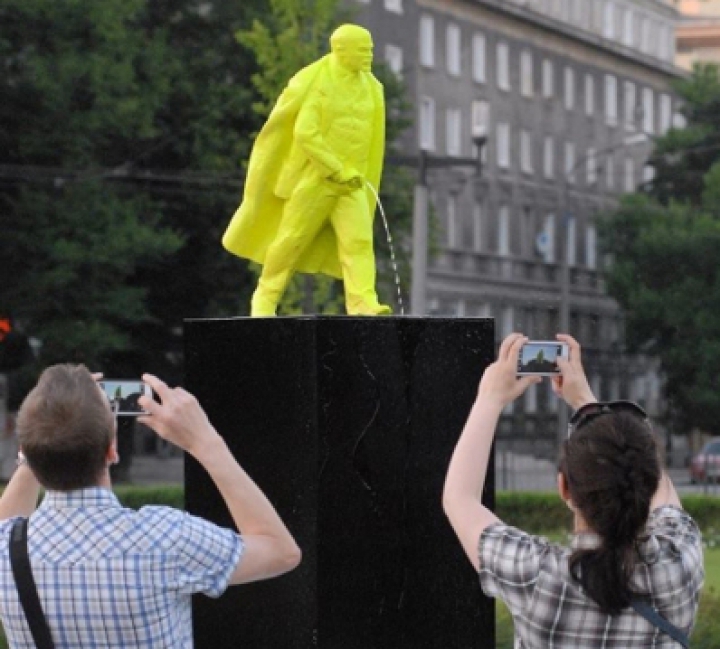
(149, 469)
(522, 473)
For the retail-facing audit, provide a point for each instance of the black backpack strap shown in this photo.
(27, 590)
(652, 616)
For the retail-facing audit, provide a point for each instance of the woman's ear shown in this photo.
(563, 488)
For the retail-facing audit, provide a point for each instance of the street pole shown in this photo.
(418, 288)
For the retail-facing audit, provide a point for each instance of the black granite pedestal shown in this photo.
(348, 425)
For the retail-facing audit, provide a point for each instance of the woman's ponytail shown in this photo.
(612, 469)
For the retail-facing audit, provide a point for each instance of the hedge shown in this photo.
(546, 513)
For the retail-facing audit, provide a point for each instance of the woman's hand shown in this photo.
(572, 385)
(500, 384)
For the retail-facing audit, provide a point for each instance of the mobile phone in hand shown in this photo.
(123, 395)
(539, 358)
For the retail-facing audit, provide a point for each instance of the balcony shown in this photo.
(513, 270)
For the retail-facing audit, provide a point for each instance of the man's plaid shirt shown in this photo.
(114, 577)
(550, 609)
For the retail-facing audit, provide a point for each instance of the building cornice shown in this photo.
(527, 14)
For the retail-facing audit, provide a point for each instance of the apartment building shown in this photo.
(570, 94)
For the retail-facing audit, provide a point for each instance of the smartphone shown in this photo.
(538, 357)
(124, 395)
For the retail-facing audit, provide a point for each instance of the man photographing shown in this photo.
(113, 577)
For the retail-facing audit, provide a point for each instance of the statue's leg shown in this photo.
(352, 222)
(303, 216)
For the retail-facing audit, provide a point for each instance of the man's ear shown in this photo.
(112, 456)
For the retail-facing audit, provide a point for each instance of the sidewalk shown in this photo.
(151, 469)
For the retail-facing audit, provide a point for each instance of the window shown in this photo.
(549, 157)
(394, 6)
(609, 20)
(504, 231)
(508, 321)
(589, 94)
(452, 131)
(479, 58)
(480, 116)
(610, 171)
(648, 173)
(394, 58)
(526, 163)
(427, 41)
(629, 175)
(591, 167)
(503, 66)
(453, 49)
(427, 124)
(548, 73)
(611, 103)
(526, 74)
(453, 227)
(664, 43)
(546, 240)
(531, 400)
(477, 227)
(569, 88)
(665, 113)
(630, 105)
(503, 145)
(648, 110)
(570, 162)
(571, 241)
(591, 247)
(629, 28)
(645, 33)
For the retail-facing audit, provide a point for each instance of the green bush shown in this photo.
(135, 497)
(545, 513)
(539, 513)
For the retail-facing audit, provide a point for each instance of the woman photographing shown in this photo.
(633, 572)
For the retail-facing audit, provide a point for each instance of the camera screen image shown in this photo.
(124, 395)
(539, 358)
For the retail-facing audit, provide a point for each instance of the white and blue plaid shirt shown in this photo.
(114, 577)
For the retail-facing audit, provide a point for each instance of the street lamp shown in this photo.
(418, 290)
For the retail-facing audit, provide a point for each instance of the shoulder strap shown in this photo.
(652, 616)
(27, 590)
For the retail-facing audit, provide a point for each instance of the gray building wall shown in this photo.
(491, 260)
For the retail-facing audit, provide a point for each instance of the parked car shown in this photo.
(705, 465)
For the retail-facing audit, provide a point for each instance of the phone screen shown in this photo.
(540, 358)
(124, 395)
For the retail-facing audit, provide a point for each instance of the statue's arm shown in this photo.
(308, 133)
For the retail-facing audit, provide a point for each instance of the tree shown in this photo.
(101, 260)
(665, 244)
(293, 34)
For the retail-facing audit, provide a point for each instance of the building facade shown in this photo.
(698, 33)
(576, 90)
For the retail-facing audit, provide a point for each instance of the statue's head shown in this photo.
(353, 47)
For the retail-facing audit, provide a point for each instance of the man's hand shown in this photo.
(178, 418)
(572, 385)
(349, 177)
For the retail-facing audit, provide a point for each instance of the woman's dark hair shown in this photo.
(612, 468)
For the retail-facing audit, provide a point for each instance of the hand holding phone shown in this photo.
(123, 395)
(539, 357)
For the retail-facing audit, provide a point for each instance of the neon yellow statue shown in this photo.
(307, 205)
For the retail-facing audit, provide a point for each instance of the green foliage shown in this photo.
(136, 497)
(541, 513)
(665, 245)
(684, 155)
(98, 264)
